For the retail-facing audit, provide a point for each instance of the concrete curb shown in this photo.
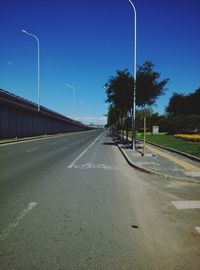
(154, 172)
(32, 138)
(23, 140)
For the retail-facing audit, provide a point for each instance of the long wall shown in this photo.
(20, 118)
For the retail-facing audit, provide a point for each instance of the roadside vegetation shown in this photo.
(171, 141)
(189, 137)
(119, 91)
(179, 125)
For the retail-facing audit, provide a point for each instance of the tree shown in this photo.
(119, 95)
(112, 115)
(140, 118)
(180, 104)
(194, 102)
(119, 90)
(148, 88)
(184, 124)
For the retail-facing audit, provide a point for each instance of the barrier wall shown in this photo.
(20, 118)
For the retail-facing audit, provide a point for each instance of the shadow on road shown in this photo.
(109, 143)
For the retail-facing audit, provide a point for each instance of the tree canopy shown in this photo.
(148, 86)
(180, 104)
(119, 90)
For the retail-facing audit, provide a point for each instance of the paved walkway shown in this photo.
(162, 162)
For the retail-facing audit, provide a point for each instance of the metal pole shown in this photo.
(38, 43)
(134, 76)
(38, 73)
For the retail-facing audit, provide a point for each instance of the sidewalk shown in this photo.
(161, 162)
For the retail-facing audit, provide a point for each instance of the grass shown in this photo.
(172, 142)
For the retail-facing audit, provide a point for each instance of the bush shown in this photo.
(189, 137)
(142, 130)
(182, 124)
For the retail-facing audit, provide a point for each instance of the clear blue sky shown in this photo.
(83, 43)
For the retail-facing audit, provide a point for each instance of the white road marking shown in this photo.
(198, 229)
(13, 225)
(31, 150)
(186, 204)
(195, 174)
(54, 143)
(76, 159)
(96, 166)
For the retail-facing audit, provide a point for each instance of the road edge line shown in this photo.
(84, 151)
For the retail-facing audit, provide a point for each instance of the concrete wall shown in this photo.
(21, 119)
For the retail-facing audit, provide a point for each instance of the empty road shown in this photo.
(72, 202)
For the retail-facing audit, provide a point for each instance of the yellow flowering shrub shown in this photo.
(189, 137)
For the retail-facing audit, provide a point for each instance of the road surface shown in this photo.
(72, 202)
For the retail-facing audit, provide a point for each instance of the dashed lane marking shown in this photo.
(186, 204)
(76, 159)
(13, 225)
(31, 150)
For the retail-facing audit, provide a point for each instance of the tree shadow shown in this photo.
(109, 143)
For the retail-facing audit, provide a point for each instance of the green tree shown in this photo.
(194, 102)
(148, 87)
(113, 115)
(180, 104)
(119, 90)
(119, 95)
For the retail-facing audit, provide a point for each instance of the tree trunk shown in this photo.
(126, 133)
(144, 139)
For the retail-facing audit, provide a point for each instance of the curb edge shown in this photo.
(156, 173)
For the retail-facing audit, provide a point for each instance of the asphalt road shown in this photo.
(72, 202)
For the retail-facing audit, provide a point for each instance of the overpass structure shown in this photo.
(19, 118)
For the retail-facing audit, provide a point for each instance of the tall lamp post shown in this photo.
(38, 44)
(134, 76)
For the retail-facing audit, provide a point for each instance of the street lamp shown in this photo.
(73, 88)
(134, 76)
(38, 64)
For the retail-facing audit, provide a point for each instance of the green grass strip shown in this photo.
(172, 142)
